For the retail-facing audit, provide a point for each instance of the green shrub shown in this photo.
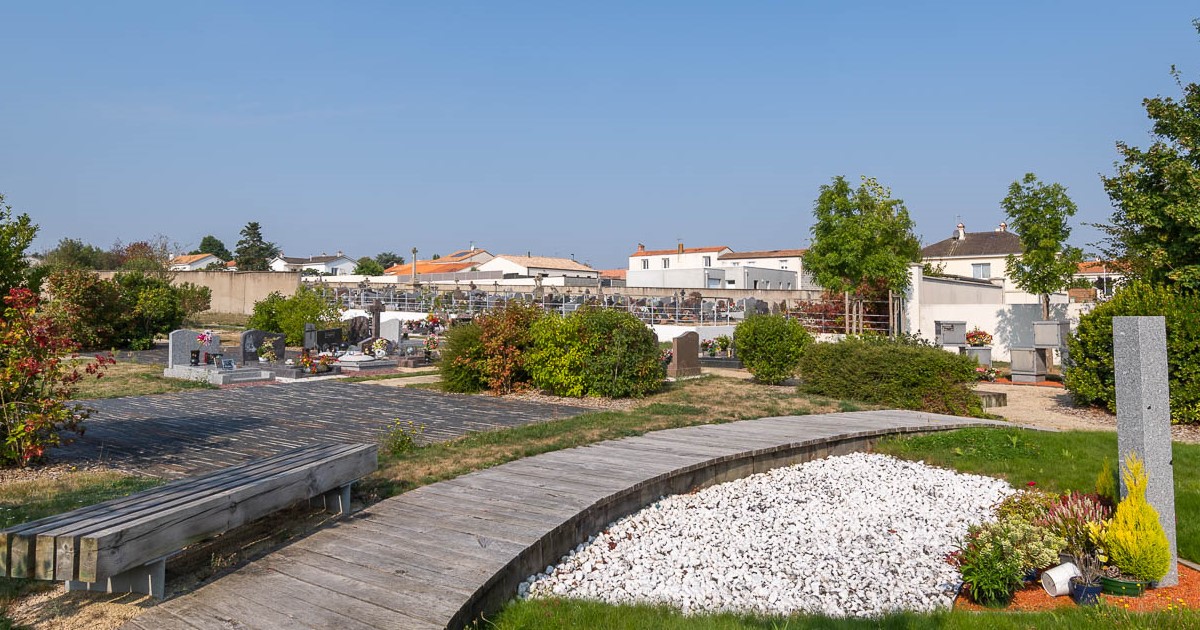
(770, 346)
(1090, 375)
(276, 313)
(595, 352)
(894, 374)
(462, 365)
(1134, 538)
(991, 571)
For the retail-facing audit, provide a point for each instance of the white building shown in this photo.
(193, 262)
(535, 266)
(707, 268)
(336, 265)
(977, 255)
(780, 259)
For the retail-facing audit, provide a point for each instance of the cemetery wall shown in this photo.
(236, 292)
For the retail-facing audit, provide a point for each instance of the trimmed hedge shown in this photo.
(770, 346)
(1090, 375)
(891, 373)
(595, 352)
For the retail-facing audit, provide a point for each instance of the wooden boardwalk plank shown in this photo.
(418, 560)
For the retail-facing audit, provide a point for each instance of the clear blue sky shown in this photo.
(561, 127)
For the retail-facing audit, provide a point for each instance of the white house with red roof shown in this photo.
(193, 262)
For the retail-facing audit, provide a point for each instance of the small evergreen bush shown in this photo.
(1090, 375)
(891, 373)
(770, 346)
(1134, 538)
(595, 352)
(506, 338)
(462, 365)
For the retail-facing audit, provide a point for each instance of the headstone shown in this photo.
(1144, 415)
(376, 308)
(685, 355)
(360, 328)
(329, 339)
(180, 344)
(252, 340)
(310, 336)
(391, 330)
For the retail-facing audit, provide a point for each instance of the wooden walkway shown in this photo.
(439, 555)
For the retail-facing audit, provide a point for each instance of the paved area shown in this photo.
(194, 432)
(437, 556)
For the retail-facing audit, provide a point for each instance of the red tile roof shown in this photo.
(687, 250)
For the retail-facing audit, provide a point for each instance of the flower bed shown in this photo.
(1033, 597)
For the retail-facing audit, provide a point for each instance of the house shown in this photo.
(781, 259)
(336, 265)
(703, 268)
(513, 266)
(1104, 275)
(462, 260)
(613, 277)
(978, 255)
(193, 262)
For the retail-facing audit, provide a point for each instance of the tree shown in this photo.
(862, 237)
(16, 233)
(253, 253)
(368, 267)
(1155, 225)
(388, 259)
(75, 254)
(1038, 213)
(213, 245)
(149, 257)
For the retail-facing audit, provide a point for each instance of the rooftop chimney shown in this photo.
(1003, 227)
(641, 247)
(339, 253)
(680, 247)
(961, 232)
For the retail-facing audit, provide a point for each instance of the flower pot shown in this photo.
(1083, 593)
(1123, 588)
(1056, 581)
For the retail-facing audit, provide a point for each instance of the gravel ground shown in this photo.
(859, 535)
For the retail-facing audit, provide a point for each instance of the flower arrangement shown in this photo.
(978, 338)
(206, 337)
(709, 346)
(1071, 518)
(266, 352)
(724, 343)
(987, 373)
(432, 342)
(379, 345)
(666, 357)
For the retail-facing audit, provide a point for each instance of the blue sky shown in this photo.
(562, 128)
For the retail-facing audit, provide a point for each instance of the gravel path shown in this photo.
(858, 535)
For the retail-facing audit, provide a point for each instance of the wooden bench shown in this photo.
(122, 545)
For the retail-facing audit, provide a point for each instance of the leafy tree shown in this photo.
(213, 245)
(1155, 225)
(367, 266)
(308, 305)
(253, 253)
(150, 257)
(37, 381)
(1038, 213)
(388, 259)
(73, 253)
(16, 233)
(862, 237)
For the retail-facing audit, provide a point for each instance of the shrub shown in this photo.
(462, 365)
(594, 352)
(506, 341)
(36, 381)
(770, 346)
(1071, 518)
(1106, 483)
(288, 316)
(1090, 376)
(1134, 538)
(1027, 505)
(896, 374)
(991, 572)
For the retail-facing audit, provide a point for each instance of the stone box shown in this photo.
(950, 333)
(1050, 334)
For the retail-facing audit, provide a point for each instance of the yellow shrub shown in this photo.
(1134, 538)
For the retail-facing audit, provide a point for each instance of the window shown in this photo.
(783, 265)
(645, 263)
(708, 261)
(729, 282)
(666, 263)
(983, 271)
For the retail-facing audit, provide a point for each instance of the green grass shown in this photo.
(386, 377)
(1058, 462)
(551, 614)
(127, 378)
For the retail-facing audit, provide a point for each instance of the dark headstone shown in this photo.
(253, 340)
(376, 309)
(360, 328)
(685, 355)
(328, 339)
(310, 335)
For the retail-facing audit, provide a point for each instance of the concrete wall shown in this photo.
(236, 292)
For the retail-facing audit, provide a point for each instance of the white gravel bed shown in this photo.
(857, 535)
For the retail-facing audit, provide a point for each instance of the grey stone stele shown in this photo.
(180, 344)
(1144, 415)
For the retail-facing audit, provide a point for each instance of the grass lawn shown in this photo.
(133, 379)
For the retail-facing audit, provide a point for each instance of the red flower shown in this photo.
(1031, 483)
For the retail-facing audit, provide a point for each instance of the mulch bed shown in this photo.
(1034, 598)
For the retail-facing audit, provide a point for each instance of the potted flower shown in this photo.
(978, 338)
(709, 347)
(379, 347)
(724, 344)
(1086, 587)
(266, 353)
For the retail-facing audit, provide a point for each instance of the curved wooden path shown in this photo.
(439, 555)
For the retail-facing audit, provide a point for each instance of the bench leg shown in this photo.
(336, 501)
(147, 579)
